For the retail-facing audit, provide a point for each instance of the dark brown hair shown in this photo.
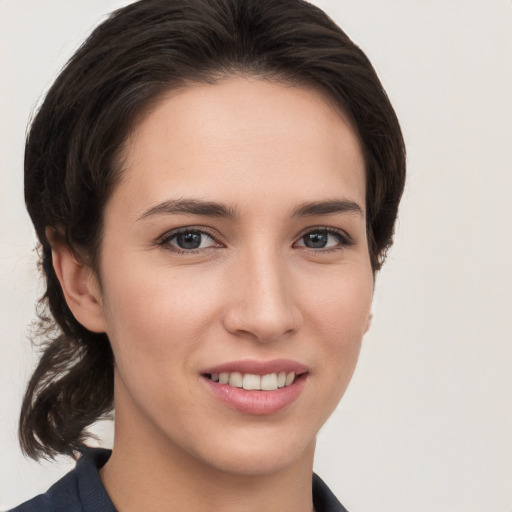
(73, 147)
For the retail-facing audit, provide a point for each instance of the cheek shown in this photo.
(155, 316)
(338, 321)
(156, 323)
(340, 304)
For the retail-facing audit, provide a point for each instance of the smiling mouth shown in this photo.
(257, 387)
(252, 382)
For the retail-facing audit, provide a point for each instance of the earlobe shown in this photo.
(368, 323)
(79, 287)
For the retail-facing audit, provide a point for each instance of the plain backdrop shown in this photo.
(426, 424)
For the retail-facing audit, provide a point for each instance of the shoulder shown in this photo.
(61, 497)
(80, 490)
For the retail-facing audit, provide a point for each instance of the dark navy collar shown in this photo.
(323, 498)
(92, 493)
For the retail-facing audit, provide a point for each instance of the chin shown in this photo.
(261, 454)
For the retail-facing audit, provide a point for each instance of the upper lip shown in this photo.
(255, 367)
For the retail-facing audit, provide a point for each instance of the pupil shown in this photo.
(189, 240)
(316, 240)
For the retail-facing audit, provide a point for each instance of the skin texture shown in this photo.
(251, 291)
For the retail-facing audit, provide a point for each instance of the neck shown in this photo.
(157, 475)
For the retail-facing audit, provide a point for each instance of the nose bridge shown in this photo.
(265, 305)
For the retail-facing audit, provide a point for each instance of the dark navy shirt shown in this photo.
(81, 490)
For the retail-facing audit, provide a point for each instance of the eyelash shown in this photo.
(166, 239)
(344, 240)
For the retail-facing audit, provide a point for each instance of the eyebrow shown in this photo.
(214, 209)
(327, 208)
(190, 206)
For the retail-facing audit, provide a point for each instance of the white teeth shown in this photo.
(290, 377)
(235, 380)
(249, 381)
(269, 382)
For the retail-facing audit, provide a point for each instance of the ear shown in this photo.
(79, 286)
(368, 323)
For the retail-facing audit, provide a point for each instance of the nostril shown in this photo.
(260, 325)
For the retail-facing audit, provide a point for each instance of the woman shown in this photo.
(214, 184)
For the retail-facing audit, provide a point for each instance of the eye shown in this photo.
(324, 239)
(188, 240)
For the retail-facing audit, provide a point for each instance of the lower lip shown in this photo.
(254, 401)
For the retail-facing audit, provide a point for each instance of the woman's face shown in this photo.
(234, 245)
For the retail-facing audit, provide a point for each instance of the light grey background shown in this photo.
(427, 421)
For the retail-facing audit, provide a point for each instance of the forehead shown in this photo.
(239, 139)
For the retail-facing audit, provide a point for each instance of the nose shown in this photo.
(262, 304)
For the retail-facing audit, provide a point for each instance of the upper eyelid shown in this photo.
(174, 232)
(165, 241)
(328, 229)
